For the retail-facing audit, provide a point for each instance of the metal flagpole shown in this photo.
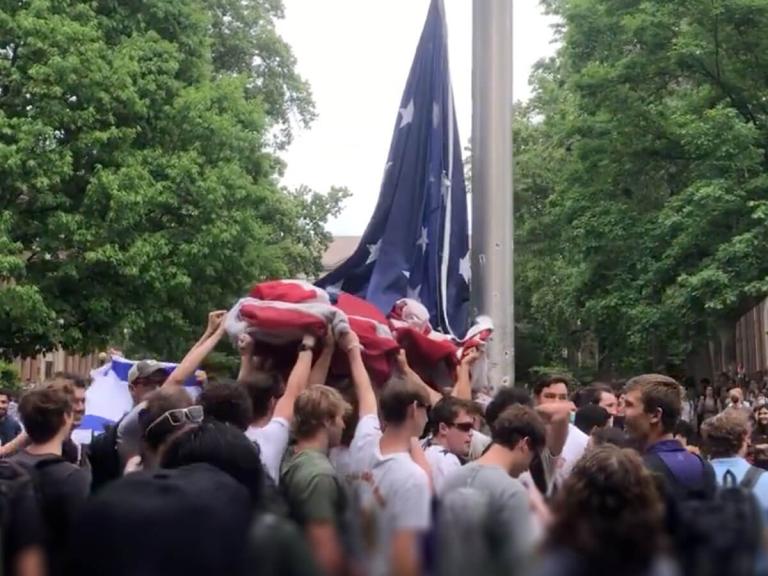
(492, 203)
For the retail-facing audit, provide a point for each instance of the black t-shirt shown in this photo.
(62, 489)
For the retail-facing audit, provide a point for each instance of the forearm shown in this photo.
(319, 373)
(366, 398)
(193, 359)
(297, 382)
(16, 445)
(463, 387)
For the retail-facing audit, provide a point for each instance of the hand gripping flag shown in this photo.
(416, 244)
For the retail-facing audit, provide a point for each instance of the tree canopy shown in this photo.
(138, 169)
(642, 196)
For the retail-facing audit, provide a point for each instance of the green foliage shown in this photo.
(641, 188)
(139, 184)
(9, 377)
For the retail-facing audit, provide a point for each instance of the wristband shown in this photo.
(303, 347)
(357, 345)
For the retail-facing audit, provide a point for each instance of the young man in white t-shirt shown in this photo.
(451, 424)
(273, 413)
(554, 390)
(390, 473)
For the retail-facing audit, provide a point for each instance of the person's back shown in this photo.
(726, 443)
(391, 489)
(188, 521)
(517, 435)
(62, 488)
(506, 497)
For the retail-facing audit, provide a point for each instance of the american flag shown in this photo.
(416, 244)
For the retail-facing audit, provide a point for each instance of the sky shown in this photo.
(356, 55)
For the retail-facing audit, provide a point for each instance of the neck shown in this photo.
(53, 446)
(658, 437)
(503, 458)
(261, 422)
(318, 442)
(440, 441)
(395, 439)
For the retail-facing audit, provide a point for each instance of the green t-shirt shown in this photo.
(312, 489)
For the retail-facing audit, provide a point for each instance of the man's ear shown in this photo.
(655, 416)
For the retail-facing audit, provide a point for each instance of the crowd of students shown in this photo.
(307, 474)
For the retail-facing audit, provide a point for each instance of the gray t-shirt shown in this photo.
(392, 492)
(507, 497)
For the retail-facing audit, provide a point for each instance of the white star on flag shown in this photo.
(407, 274)
(374, 249)
(407, 114)
(414, 293)
(465, 268)
(423, 240)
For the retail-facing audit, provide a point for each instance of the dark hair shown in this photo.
(591, 394)
(518, 422)
(397, 397)
(609, 513)
(686, 430)
(609, 435)
(227, 402)
(591, 416)
(43, 412)
(547, 381)
(76, 380)
(506, 397)
(261, 387)
(446, 411)
(659, 392)
(6, 393)
(222, 446)
(158, 403)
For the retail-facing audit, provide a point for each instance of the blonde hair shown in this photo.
(316, 406)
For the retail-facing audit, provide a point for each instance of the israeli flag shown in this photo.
(108, 398)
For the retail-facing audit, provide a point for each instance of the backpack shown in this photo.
(715, 532)
(104, 458)
(13, 480)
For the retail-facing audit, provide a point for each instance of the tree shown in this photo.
(642, 186)
(139, 187)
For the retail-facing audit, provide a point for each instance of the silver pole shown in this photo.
(492, 203)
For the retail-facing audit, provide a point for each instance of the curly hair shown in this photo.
(610, 513)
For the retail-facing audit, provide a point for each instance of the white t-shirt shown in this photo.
(273, 442)
(573, 450)
(341, 460)
(442, 463)
(392, 492)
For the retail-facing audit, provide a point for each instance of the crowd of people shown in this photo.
(307, 474)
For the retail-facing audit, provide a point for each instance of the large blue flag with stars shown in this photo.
(416, 244)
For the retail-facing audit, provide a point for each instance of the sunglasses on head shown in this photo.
(179, 416)
(463, 426)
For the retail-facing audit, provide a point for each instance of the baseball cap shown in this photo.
(144, 369)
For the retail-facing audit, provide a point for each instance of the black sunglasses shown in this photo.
(463, 426)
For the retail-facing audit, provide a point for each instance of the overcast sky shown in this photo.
(356, 54)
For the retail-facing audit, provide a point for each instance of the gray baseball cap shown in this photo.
(144, 369)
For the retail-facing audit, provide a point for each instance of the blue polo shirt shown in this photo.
(687, 468)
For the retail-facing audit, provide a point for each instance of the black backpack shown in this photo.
(714, 532)
(104, 458)
(13, 480)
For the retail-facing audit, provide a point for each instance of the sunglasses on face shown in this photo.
(463, 426)
(179, 416)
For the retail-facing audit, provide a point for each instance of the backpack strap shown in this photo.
(751, 477)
